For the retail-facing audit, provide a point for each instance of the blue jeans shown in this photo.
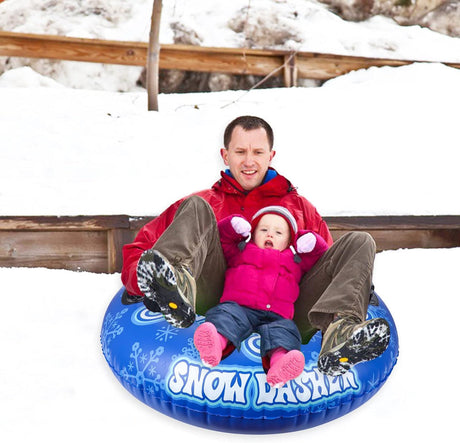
(237, 323)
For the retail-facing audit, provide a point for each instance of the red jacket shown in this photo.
(264, 279)
(226, 197)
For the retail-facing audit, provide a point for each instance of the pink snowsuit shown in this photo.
(264, 279)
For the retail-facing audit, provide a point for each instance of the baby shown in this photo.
(261, 286)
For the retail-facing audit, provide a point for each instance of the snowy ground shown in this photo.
(380, 141)
(56, 386)
(349, 146)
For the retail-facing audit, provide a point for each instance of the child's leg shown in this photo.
(227, 325)
(231, 320)
(284, 366)
(276, 354)
(209, 343)
(280, 350)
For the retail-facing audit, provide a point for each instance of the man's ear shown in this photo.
(272, 154)
(224, 155)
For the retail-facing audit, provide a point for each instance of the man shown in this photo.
(177, 263)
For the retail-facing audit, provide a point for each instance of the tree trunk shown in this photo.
(153, 60)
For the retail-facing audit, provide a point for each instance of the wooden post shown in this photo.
(153, 58)
(290, 70)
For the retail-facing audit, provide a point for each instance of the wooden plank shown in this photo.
(419, 238)
(116, 239)
(238, 61)
(183, 57)
(385, 222)
(67, 223)
(74, 49)
(188, 58)
(94, 243)
(326, 66)
(137, 223)
(389, 232)
(134, 223)
(57, 250)
(388, 222)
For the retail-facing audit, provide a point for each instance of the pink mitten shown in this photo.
(306, 243)
(241, 226)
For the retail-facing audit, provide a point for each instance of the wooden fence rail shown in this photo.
(290, 65)
(94, 243)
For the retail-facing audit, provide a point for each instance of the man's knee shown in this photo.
(360, 239)
(197, 208)
(196, 201)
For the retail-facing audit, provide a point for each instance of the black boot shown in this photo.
(128, 299)
(348, 341)
(172, 288)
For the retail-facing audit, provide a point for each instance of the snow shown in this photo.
(55, 383)
(373, 142)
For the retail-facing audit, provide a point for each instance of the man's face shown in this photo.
(248, 156)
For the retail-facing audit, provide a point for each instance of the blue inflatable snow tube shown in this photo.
(159, 365)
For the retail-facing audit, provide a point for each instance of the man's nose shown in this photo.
(249, 159)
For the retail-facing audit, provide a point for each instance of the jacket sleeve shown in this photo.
(314, 221)
(324, 232)
(310, 258)
(145, 239)
(229, 238)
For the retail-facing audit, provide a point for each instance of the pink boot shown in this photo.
(284, 366)
(209, 344)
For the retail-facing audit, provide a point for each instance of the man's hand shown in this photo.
(241, 226)
(306, 243)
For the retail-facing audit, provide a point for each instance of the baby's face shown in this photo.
(272, 232)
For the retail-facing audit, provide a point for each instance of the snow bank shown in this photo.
(374, 142)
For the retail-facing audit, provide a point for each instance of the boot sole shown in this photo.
(366, 343)
(289, 368)
(174, 306)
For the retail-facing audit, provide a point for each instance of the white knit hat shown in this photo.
(277, 210)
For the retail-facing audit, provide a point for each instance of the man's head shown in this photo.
(248, 150)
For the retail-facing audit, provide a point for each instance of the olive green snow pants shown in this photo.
(340, 282)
